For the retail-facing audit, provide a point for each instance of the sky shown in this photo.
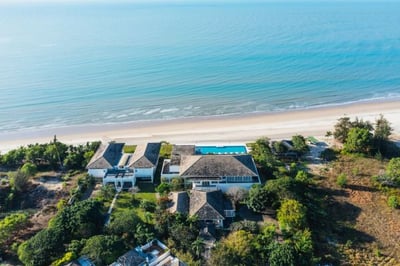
(177, 1)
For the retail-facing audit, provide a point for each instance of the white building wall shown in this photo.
(144, 172)
(100, 173)
(174, 168)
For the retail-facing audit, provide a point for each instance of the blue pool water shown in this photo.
(221, 150)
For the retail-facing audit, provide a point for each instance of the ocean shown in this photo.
(95, 63)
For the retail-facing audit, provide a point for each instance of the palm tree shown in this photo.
(198, 246)
(147, 217)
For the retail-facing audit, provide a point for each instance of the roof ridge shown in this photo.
(243, 165)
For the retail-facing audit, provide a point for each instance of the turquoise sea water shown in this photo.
(74, 64)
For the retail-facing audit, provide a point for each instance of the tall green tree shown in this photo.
(359, 140)
(103, 249)
(123, 225)
(382, 128)
(198, 247)
(236, 249)
(258, 198)
(262, 154)
(342, 128)
(282, 254)
(299, 144)
(42, 249)
(292, 216)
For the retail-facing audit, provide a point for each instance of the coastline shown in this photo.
(222, 129)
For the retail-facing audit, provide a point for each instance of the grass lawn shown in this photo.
(129, 201)
(166, 150)
(129, 148)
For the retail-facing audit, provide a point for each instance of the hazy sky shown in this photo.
(179, 1)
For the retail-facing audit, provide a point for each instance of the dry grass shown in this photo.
(374, 227)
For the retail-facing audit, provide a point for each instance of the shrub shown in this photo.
(177, 184)
(302, 176)
(341, 180)
(393, 202)
(147, 205)
(163, 188)
(18, 180)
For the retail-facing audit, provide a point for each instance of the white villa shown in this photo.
(114, 166)
(210, 171)
(154, 253)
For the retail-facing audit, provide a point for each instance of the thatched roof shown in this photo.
(145, 156)
(217, 166)
(181, 150)
(106, 156)
(207, 205)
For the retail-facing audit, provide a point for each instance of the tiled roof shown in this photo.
(209, 166)
(207, 205)
(106, 156)
(180, 202)
(145, 156)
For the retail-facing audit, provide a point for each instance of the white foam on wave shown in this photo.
(152, 111)
(169, 110)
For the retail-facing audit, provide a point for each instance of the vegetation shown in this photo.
(363, 137)
(129, 148)
(81, 220)
(299, 144)
(166, 149)
(310, 221)
(9, 225)
(393, 202)
(341, 180)
(103, 249)
(51, 156)
(292, 215)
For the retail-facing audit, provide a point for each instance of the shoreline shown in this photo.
(222, 129)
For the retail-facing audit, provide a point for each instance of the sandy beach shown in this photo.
(223, 129)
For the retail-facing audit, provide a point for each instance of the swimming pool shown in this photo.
(221, 150)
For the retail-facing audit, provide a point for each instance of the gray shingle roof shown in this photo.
(207, 205)
(216, 166)
(130, 258)
(145, 156)
(180, 201)
(106, 156)
(181, 150)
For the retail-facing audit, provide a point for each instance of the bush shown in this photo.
(147, 205)
(177, 184)
(29, 169)
(18, 180)
(393, 202)
(248, 226)
(163, 188)
(341, 180)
